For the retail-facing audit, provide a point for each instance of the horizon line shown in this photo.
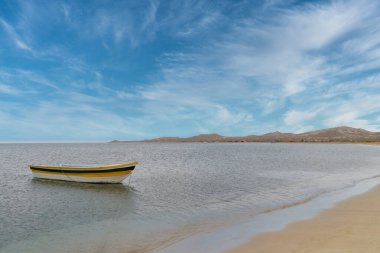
(148, 138)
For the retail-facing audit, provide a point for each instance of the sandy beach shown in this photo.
(351, 226)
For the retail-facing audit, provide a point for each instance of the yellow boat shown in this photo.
(114, 173)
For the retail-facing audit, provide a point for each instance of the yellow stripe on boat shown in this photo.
(105, 174)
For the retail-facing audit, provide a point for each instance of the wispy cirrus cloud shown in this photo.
(14, 36)
(277, 64)
(291, 52)
(60, 120)
(9, 90)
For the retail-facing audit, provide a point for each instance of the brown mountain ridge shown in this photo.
(337, 134)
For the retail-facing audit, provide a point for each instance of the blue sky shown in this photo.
(102, 70)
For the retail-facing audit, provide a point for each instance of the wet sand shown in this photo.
(351, 226)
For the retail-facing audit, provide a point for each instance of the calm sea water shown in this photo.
(176, 191)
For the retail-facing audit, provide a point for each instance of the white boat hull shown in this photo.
(115, 173)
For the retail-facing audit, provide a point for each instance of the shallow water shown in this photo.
(178, 189)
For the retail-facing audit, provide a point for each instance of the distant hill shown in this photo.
(197, 138)
(341, 134)
(337, 134)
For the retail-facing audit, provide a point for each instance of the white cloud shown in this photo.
(133, 22)
(6, 89)
(225, 118)
(294, 117)
(358, 111)
(66, 10)
(14, 36)
(199, 25)
(67, 119)
(285, 52)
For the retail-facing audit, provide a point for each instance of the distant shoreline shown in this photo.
(249, 142)
(329, 135)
